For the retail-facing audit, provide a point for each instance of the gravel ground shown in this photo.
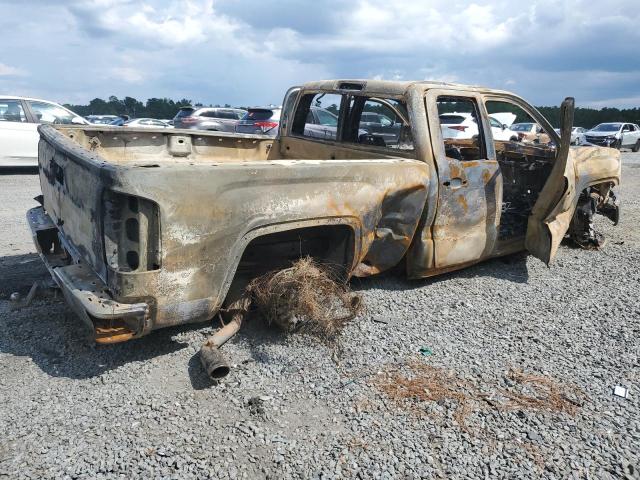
(144, 409)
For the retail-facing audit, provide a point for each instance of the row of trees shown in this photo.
(590, 117)
(153, 108)
(167, 108)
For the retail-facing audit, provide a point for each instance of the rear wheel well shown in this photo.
(330, 245)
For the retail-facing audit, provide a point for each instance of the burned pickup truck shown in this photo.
(143, 229)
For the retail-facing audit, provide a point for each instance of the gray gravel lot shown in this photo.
(144, 409)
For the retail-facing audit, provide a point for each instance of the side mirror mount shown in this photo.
(567, 110)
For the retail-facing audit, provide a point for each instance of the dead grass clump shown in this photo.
(546, 394)
(305, 297)
(427, 383)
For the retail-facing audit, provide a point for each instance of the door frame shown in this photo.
(466, 223)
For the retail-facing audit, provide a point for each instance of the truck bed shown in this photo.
(129, 146)
(168, 218)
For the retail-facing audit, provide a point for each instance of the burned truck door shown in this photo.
(289, 104)
(465, 226)
(552, 213)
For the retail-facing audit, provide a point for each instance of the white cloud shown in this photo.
(127, 74)
(9, 71)
(173, 24)
(241, 52)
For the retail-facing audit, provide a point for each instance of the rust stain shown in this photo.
(454, 170)
(462, 200)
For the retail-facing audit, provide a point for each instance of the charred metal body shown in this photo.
(147, 229)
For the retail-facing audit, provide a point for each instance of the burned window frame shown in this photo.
(530, 110)
(482, 121)
(298, 118)
(302, 108)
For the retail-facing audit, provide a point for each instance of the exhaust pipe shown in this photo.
(213, 361)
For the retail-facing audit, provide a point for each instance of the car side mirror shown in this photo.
(77, 121)
(504, 126)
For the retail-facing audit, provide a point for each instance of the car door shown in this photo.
(625, 135)
(629, 135)
(465, 227)
(636, 135)
(18, 134)
(498, 130)
(552, 213)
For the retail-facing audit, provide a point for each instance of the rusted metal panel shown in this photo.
(211, 210)
(161, 219)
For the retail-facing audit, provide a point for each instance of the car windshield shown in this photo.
(51, 113)
(521, 127)
(495, 123)
(103, 121)
(607, 127)
(184, 112)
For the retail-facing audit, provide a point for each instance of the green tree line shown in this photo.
(167, 108)
(590, 117)
(152, 108)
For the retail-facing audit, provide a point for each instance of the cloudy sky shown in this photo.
(250, 51)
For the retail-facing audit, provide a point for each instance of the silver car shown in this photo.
(260, 121)
(208, 118)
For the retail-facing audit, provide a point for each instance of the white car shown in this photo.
(147, 123)
(616, 135)
(501, 126)
(463, 125)
(577, 135)
(19, 120)
(101, 119)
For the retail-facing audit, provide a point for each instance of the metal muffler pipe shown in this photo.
(213, 361)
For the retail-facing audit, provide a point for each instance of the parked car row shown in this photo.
(258, 120)
(20, 116)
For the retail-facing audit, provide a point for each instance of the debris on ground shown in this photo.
(620, 391)
(425, 351)
(542, 393)
(303, 297)
(307, 298)
(427, 383)
(380, 320)
(423, 382)
(256, 405)
(32, 293)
